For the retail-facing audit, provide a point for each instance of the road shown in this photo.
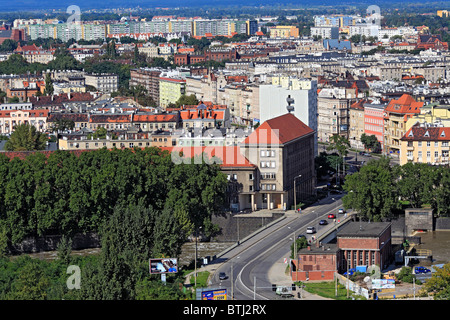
(247, 265)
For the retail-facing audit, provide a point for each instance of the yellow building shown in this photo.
(431, 113)
(442, 13)
(170, 90)
(425, 143)
(396, 114)
(284, 32)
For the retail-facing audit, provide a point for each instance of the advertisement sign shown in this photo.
(163, 265)
(383, 284)
(220, 294)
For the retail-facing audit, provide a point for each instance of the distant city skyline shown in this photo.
(32, 5)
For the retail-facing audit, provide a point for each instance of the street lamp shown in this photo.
(295, 192)
(195, 262)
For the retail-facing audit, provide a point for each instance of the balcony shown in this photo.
(410, 148)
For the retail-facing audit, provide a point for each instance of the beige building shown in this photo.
(397, 113)
(426, 143)
(356, 114)
(283, 150)
(105, 82)
(431, 113)
(333, 108)
(66, 143)
(11, 118)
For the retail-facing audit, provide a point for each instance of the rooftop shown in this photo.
(363, 229)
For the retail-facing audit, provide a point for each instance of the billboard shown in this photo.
(383, 284)
(220, 294)
(163, 265)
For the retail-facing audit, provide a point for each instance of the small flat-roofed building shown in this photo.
(364, 243)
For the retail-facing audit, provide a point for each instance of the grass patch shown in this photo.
(327, 289)
(202, 279)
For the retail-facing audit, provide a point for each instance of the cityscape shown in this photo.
(214, 151)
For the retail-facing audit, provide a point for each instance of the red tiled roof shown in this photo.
(279, 130)
(154, 117)
(427, 134)
(405, 104)
(110, 118)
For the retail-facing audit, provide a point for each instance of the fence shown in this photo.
(352, 286)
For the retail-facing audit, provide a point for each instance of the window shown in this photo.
(250, 176)
(428, 143)
(419, 143)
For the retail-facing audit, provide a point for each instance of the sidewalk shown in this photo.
(277, 275)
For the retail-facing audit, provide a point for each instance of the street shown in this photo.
(247, 266)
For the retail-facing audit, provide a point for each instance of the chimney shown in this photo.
(308, 248)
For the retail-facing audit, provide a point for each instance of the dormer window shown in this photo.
(427, 134)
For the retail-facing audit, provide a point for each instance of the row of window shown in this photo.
(409, 154)
(428, 143)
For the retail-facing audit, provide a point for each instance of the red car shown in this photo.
(331, 216)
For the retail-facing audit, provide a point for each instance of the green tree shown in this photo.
(26, 138)
(64, 249)
(187, 100)
(31, 284)
(372, 191)
(370, 142)
(340, 144)
(442, 192)
(416, 183)
(439, 283)
(48, 85)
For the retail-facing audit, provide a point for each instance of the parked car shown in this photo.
(222, 276)
(366, 154)
(323, 222)
(310, 230)
(331, 216)
(341, 211)
(333, 191)
(418, 270)
(350, 272)
(301, 236)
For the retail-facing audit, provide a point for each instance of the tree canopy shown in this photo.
(26, 138)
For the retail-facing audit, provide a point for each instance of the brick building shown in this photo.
(357, 244)
(209, 55)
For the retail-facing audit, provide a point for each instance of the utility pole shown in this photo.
(232, 282)
(254, 288)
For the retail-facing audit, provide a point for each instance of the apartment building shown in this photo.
(396, 114)
(103, 82)
(431, 113)
(170, 90)
(11, 118)
(284, 32)
(374, 121)
(288, 94)
(33, 54)
(356, 129)
(149, 122)
(333, 107)
(325, 32)
(203, 116)
(283, 150)
(426, 143)
(148, 78)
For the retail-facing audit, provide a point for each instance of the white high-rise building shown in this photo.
(299, 94)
